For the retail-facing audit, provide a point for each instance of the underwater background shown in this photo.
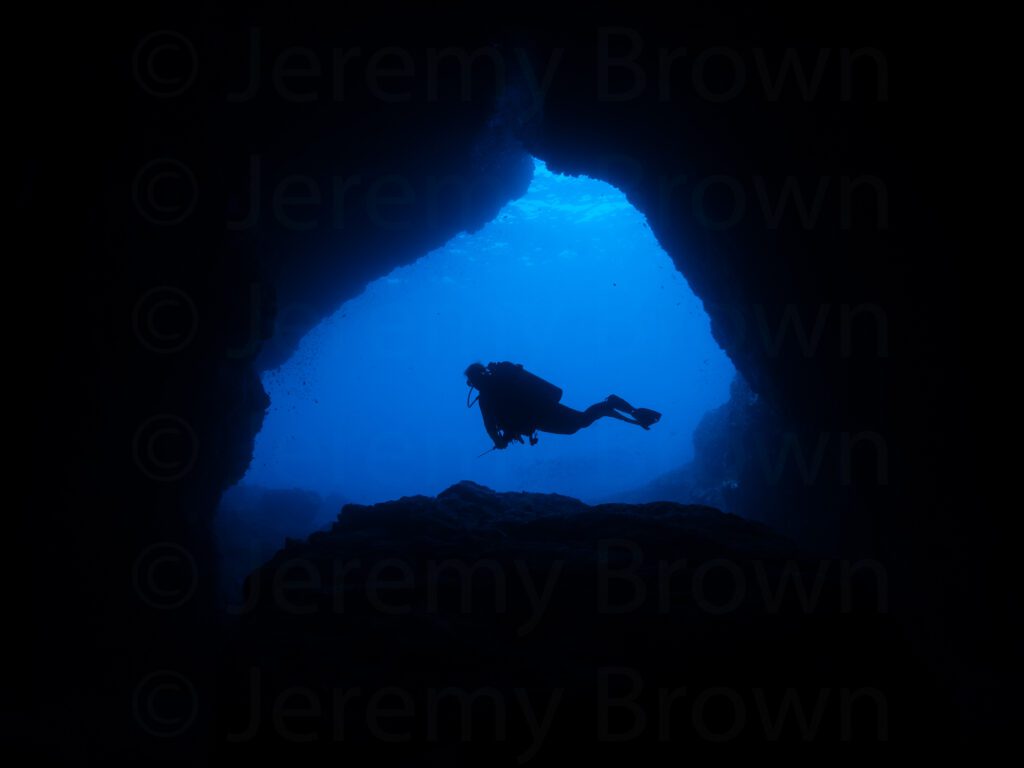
(567, 280)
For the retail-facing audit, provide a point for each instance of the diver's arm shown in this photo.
(491, 425)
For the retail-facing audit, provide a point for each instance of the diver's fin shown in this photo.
(645, 417)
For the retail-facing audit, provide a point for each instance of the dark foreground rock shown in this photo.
(520, 626)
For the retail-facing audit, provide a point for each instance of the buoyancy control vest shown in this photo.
(518, 397)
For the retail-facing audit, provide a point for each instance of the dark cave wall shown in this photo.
(150, 398)
(96, 257)
(807, 305)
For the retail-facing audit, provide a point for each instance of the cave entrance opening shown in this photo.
(568, 280)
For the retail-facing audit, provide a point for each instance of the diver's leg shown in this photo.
(620, 417)
(562, 420)
(642, 416)
(619, 404)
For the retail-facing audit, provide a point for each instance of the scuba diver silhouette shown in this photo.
(515, 403)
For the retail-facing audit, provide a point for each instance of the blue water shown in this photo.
(569, 281)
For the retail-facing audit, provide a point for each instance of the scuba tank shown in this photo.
(526, 389)
(518, 397)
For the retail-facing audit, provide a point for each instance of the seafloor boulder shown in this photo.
(524, 623)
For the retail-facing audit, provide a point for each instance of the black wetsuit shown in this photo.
(505, 412)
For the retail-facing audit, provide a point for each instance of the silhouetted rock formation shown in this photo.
(253, 523)
(722, 470)
(468, 614)
(247, 270)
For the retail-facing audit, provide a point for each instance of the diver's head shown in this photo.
(475, 375)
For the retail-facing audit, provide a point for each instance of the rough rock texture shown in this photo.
(588, 610)
(724, 452)
(252, 523)
(102, 385)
